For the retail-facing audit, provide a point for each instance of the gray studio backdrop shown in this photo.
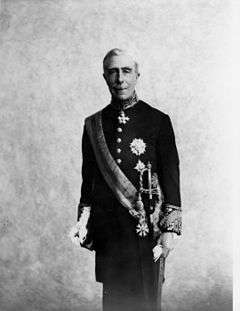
(50, 79)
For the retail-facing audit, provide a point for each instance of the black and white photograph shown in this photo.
(118, 155)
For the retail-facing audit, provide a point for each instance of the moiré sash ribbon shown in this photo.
(124, 190)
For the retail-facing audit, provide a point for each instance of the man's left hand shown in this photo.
(157, 252)
(166, 244)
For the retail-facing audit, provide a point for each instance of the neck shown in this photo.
(122, 104)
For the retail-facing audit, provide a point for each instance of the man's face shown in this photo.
(121, 76)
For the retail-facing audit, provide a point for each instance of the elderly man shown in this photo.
(129, 210)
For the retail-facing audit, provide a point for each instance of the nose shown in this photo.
(120, 77)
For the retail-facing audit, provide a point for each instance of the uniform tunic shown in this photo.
(124, 260)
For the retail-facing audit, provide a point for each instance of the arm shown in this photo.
(84, 206)
(168, 172)
(88, 167)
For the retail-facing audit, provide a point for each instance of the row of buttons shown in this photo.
(119, 140)
(122, 119)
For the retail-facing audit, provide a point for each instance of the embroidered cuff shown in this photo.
(171, 220)
(82, 207)
(84, 235)
(83, 214)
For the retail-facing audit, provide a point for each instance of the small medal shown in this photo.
(142, 229)
(123, 119)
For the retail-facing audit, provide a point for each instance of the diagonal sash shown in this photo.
(114, 176)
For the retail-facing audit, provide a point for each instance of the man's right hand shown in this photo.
(82, 234)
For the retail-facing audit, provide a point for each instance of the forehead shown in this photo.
(119, 61)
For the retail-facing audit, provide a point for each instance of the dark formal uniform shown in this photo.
(135, 135)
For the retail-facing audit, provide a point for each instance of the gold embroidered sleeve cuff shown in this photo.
(171, 220)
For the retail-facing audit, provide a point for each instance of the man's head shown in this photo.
(120, 73)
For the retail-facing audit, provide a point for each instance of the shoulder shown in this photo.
(93, 116)
(153, 112)
(158, 119)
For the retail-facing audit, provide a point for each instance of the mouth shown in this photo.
(119, 89)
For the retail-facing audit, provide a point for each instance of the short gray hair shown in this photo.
(116, 52)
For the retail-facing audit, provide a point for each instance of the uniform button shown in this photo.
(119, 140)
(119, 150)
(119, 129)
(119, 161)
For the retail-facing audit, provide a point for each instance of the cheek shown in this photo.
(132, 81)
(111, 81)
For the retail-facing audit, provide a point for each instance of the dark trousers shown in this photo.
(124, 261)
(122, 297)
(119, 295)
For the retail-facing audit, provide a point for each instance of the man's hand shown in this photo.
(82, 234)
(78, 234)
(166, 244)
(157, 252)
(160, 251)
(168, 240)
(82, 224)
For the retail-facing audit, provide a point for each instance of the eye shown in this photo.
(127, 70)
(111, 71)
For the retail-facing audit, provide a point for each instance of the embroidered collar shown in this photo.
(124, 104)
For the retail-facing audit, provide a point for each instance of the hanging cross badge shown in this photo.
(123, 118)
(153, 189)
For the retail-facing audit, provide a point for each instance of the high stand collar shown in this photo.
(124, 104)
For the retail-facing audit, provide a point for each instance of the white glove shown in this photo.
(78, 233)
(157, 252)
(168, 240)
(167, 243)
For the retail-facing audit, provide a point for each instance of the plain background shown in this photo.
(50, 80)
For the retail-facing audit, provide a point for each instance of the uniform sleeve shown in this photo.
(168, 172)
(88, 168)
